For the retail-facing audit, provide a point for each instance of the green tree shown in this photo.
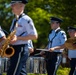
(40, 11)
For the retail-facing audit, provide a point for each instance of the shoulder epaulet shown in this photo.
(56, 31)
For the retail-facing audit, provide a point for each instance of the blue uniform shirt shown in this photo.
(26, 26)
(72, 53)
(58, 40)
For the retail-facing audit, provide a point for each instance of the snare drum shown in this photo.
(36, 65)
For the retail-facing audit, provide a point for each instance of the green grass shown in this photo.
(61, 71)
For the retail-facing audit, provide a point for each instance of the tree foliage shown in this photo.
(41, 11)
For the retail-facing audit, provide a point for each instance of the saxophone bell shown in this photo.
(8, 52)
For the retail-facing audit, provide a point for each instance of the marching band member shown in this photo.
(20, 41)
(57, 38)
(72, 53)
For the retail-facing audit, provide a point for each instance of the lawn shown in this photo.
(61, 71)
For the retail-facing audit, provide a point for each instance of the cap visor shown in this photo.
(70, 30)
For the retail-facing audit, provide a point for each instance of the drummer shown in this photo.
(72, 53)
(56, 40)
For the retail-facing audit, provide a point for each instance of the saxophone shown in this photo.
(7, 51)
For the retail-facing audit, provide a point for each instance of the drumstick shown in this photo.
(43, 49)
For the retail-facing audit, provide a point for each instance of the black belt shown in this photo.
(21, 45)
(57, 52)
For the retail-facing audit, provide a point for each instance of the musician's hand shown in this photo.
(13, 40)
(31, 50)
(51, 49)
(42, 53)
(69, 58)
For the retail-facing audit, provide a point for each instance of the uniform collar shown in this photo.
(57, 29)
(21, 15)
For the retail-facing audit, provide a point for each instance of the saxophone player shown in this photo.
(20, 40)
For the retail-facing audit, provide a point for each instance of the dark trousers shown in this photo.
(59, 59)
(72, 66)
(18, 61)
(51, 65)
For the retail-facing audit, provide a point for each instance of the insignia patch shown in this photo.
(31, 24)
(19, 25)
(63, 34)
(29, 21)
